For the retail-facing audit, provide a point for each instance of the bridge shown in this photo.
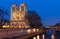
(53, 28)
(56, 28)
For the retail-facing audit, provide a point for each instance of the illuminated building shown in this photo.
(17, 19)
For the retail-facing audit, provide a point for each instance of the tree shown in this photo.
(33, 19)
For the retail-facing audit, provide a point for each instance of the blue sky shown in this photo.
(48, 10)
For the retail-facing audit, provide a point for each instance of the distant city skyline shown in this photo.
(48, 10)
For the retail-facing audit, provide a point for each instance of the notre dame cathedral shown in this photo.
(17, 16)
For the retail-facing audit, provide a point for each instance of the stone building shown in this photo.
(17, 19)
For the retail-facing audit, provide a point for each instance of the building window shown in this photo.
(22, 8)
(13, 8)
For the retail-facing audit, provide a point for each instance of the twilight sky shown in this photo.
(48, 10)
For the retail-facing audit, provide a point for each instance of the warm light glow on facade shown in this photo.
(19, 26)
(15, 27)
(22, 26)
(5, 26)
(18, 16)
(26, 26)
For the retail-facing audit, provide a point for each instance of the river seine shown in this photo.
(50, 34)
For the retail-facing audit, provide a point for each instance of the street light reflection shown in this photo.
(43, 36)
(52, 37)
(34, 37)
(38, 37)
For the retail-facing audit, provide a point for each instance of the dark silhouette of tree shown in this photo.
(3, 15)
(34, 19)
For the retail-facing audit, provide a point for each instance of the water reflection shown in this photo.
(49, 35)
(43, 36)
(52, 36)
(38, 37)
(34, 37)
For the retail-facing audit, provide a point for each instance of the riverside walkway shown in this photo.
(20, 33)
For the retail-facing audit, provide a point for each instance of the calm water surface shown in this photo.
(50, 34)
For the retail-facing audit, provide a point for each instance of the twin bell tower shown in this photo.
(17, 16)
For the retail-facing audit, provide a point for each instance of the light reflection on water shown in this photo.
(43, 36)
(52, 36)
(34, 37)
(38, 37)
(49, 35)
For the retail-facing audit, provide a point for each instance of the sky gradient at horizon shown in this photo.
(48, 10)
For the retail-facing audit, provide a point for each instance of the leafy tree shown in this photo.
(33, 19)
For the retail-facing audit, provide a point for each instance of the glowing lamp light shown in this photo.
(34, 30)
(29, 30)
(26, 26)
(19, 26)
(5, 26)
(37, 30)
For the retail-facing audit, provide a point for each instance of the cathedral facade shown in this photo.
(17, 16)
